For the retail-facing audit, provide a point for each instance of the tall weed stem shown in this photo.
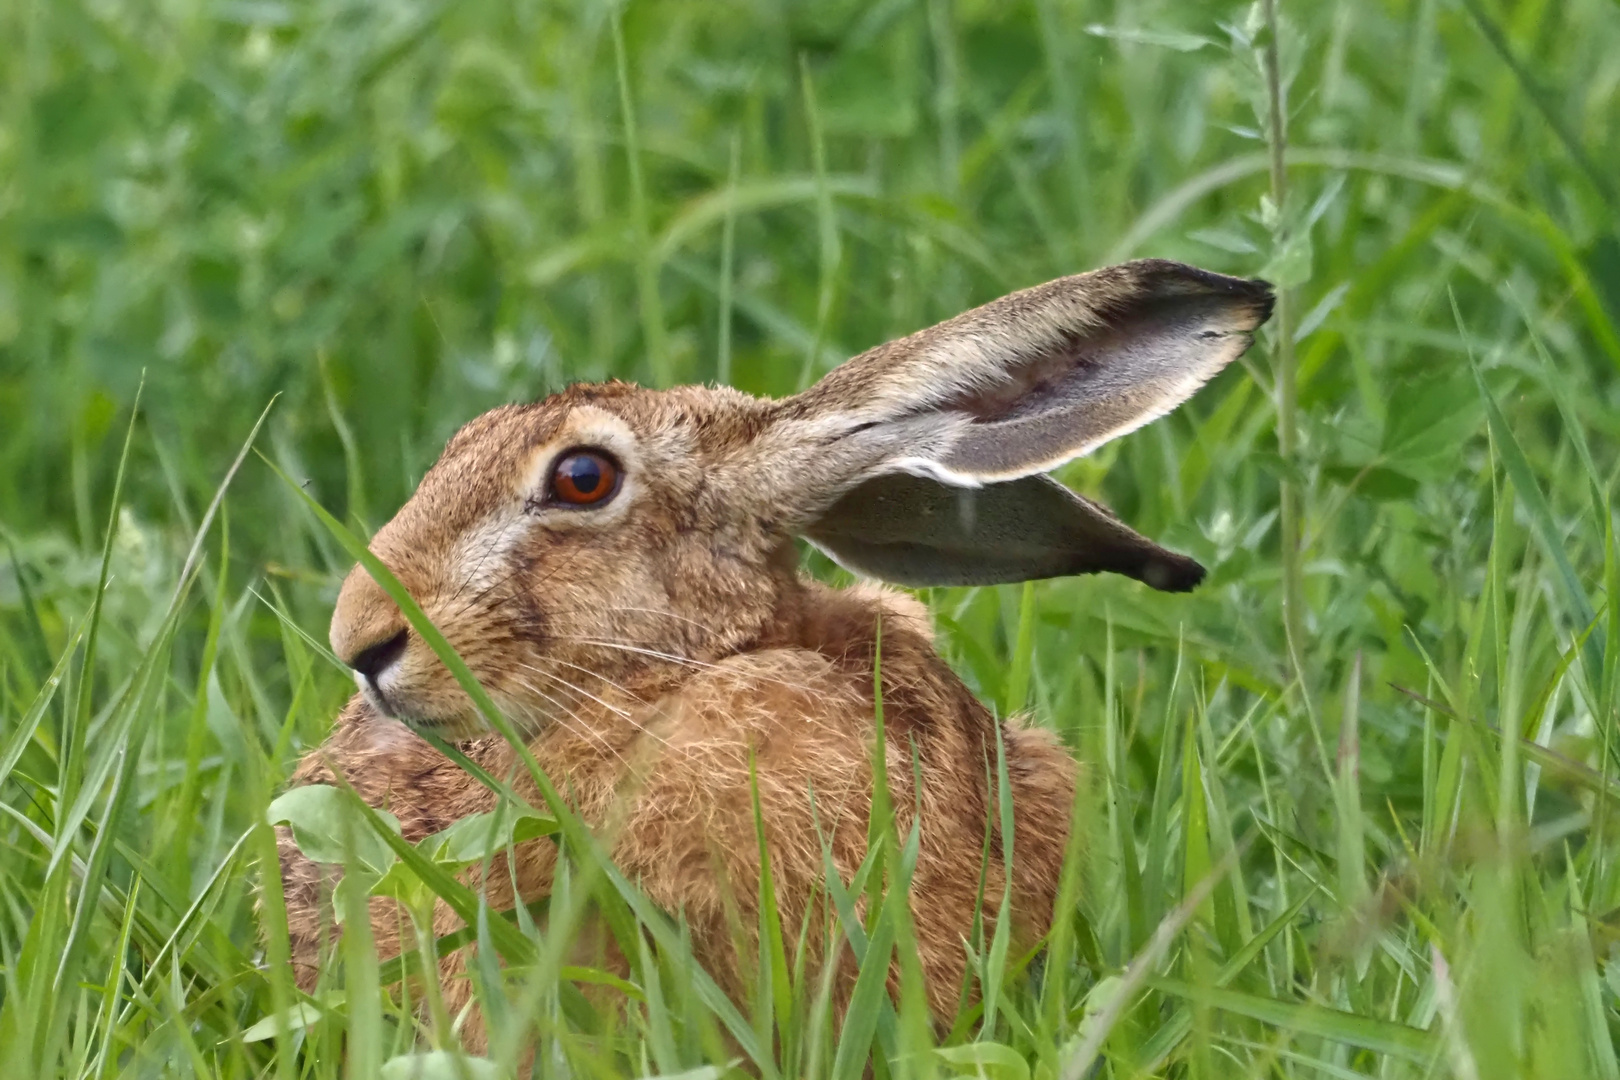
(1293, 598)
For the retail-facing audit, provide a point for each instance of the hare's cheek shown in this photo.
(483, 555)
(616, 597)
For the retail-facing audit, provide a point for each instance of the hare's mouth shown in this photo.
(396, 703)
(379, 700)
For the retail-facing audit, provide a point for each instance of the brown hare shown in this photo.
(617, 567)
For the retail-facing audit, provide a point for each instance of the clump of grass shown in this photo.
(395, 216)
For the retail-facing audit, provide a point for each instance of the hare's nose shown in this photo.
(368, 632)
(373, 660)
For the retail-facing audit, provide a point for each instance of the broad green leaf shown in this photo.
(319, 814)
(705, 1072)
(296, 1018)
(438, 1065)
(479, 836)
(992, 1060)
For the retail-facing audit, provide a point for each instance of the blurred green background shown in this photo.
(392, 215)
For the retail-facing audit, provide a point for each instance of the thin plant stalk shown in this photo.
(1290, 515)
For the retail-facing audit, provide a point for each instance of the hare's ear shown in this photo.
(1029, 381)
(999, 394)
(915, 530)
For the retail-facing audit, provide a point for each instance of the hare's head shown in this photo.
(566, 545)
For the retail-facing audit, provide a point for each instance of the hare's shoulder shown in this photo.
(766, 697)
(812, 690)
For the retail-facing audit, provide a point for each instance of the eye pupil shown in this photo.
(583, 478)
(584, 474)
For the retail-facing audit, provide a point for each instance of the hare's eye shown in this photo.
(584, 478)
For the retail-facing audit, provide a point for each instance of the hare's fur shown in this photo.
(663, 766)
(666, 659)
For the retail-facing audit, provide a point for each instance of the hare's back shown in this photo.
(793, 731)
(779, 745)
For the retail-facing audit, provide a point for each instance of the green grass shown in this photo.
(1392, 851)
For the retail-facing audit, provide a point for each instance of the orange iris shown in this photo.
(584, 478)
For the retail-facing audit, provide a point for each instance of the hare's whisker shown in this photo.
(578, 690)
(675, 657)
(700, 624)
(595, 675)
(691, 661)
(660, 611)
(579, 727)
(626, 716)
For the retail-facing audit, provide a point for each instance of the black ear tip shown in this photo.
(1265, 295)
(1175, 573)
(1257, 293)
